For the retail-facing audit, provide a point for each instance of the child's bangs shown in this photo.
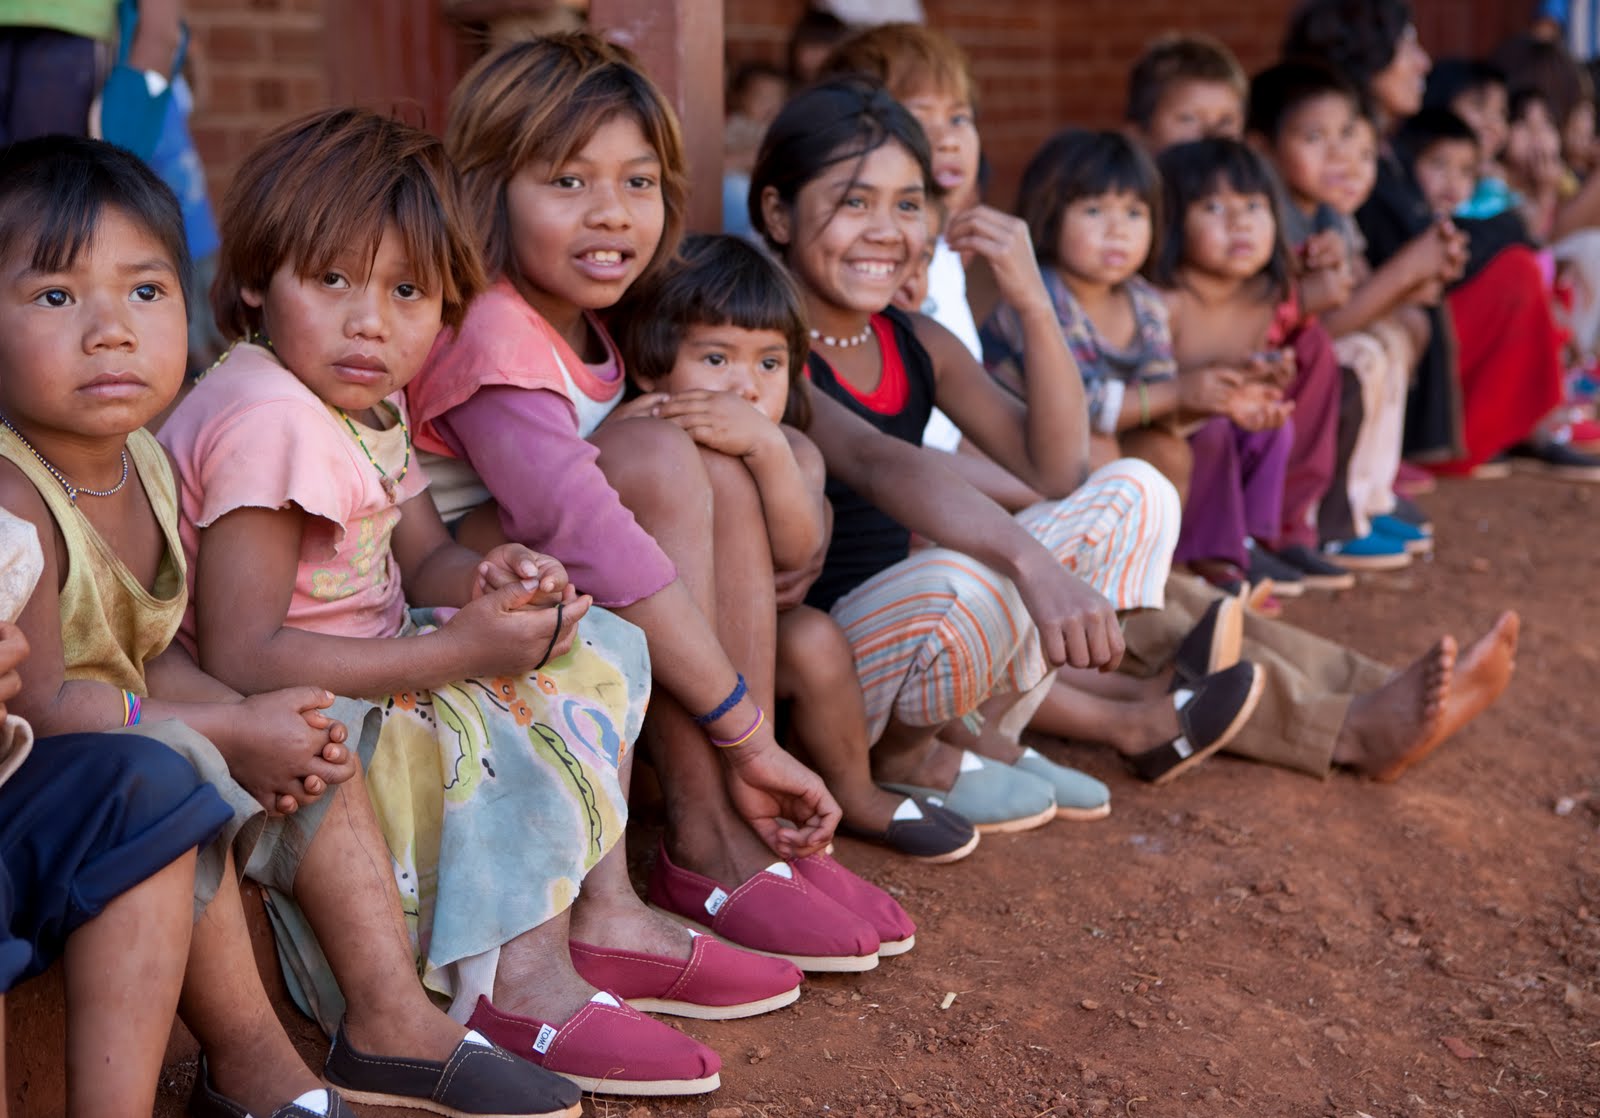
(55, 192)
(330, 233)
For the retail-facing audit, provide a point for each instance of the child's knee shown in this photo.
(652, 463)
(813, 651)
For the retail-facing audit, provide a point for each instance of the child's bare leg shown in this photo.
(610, 914)
(662, 478)
(123, 972)
(914, 755)
(1128, 726)
(816, 669)
(535, 977)
(225, 1006)
(346, 887)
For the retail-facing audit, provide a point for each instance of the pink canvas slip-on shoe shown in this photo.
(773, 913)
(716, 983)
(896, 933)
(606, 1048)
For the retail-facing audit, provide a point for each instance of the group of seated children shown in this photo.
(498, 457)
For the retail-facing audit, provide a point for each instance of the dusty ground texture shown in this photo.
(1249, 941)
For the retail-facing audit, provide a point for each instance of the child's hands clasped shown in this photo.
(511, 564)
(507, 631)
(721, 421)
(286, 752)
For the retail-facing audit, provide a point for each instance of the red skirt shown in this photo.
(1509, 354)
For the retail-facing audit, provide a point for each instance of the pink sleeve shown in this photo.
(273, 455)
(525, 447)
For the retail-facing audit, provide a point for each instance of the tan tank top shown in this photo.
(110, 624)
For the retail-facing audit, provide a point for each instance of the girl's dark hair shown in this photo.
(55, 189)
(834, 121)
(1193, 172)
(1358, 38)
(716, 280)
(1549, 68)
(1456, 77)
(1077, 164)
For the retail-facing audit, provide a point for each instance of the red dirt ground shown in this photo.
(1250, 941)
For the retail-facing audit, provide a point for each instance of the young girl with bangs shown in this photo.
(1224, 268)
(93, 348)
(573, 162)
(718, 345)
(976, 626)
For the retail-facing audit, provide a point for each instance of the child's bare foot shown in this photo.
(631, 927)
(725, 850)
(1482, 673)
(261, 1078)
(1389, 726)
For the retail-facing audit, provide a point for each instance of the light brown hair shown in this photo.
(908, 58)
(544, 99)
(336, 179)
(1173, 58)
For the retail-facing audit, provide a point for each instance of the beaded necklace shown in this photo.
(391, 485)
(72, 490)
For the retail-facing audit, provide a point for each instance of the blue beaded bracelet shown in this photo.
(733, 699)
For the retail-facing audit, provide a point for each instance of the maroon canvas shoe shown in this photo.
(773, 913)
(716, 983)
(896, 932)
(606, 1048)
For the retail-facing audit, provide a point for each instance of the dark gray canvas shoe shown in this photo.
(206, 1102)
(479, 1080)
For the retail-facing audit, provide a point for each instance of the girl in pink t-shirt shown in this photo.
(496, 773)
(574, 162)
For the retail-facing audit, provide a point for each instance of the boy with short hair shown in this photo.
(1442, 153)
(1185, 87)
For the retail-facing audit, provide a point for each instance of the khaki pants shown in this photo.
(1310, 681)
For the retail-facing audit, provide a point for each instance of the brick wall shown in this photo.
(256, 63)
(1041, 64)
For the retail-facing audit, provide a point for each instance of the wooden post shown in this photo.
(681, 45)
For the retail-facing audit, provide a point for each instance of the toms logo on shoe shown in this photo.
(715, 901)
(541, 1043)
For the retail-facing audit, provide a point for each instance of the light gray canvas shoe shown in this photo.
(992, 796)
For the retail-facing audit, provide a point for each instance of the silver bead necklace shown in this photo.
(72, 490)
(843, 343)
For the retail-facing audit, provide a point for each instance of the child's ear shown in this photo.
(775, 216)
(251, 297)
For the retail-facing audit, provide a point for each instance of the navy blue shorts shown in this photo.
(83, 820)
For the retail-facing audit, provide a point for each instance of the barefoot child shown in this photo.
(573, 162)
(505, 736)
(717, 344)
(92, 348)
